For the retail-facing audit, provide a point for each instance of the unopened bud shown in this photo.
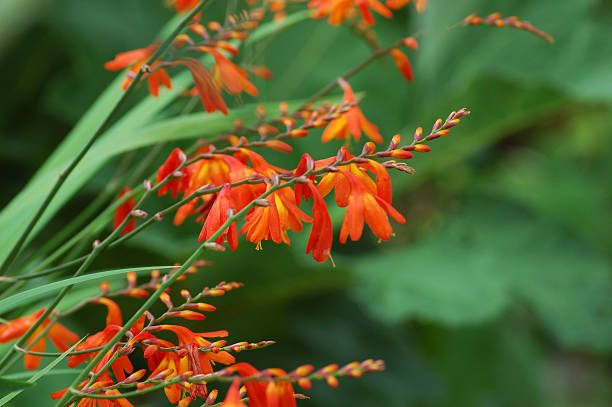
(368, 148)
(134, 377)
(139, 213)
(422, 148)
(440, 133)
(451, 123)
(158, 217)
(418, 134)
(283, 107)
(212, 397)
(185, 294)
(261, 112)
(214, 246)
(304, 370)
(437, 125)
(395, 141)
(104, 287)
(147, 184)
(401, 154)
(304, 383)
(298, 133)
(165, 298)
(332, 381)
(262, 202)
(411, 42)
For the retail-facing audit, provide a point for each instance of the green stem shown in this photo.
(330, 86)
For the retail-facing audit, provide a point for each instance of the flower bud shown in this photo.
(418, 134)
(139, 213)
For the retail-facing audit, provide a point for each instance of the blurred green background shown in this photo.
(498, 289)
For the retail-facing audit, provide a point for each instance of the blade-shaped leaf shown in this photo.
(43, 291)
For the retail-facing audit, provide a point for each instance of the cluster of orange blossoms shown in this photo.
(212, 40)
(218, 182)
(182, 367)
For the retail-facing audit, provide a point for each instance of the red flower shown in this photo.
(350, 123)
(321, 234)
(59, 335)
(217, 216)
(123, 211)
(176, 185)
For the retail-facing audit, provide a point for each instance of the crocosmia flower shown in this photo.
(59, 335)
(350, 123)
(338, 10)
(135, 59)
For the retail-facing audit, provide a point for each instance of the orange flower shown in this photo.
(217, 216)
(233, 399)
(262, 394)
(338, 10)
(350, 123)
(113, 325)
(228, 76)
(403, 63)
(123, 211)
(216, 171)
(136, 59)
(420, 5)
(104, 380)
(364, 199)
(271, 222)
(59, 335)
(204, 85)
(190, 361)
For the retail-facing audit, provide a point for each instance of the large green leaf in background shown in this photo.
(488, 254)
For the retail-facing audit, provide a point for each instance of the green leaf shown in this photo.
(30, 373)
(8, 384)
(40, 292)
(486, 258)
(275, 27)
(41, 373)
